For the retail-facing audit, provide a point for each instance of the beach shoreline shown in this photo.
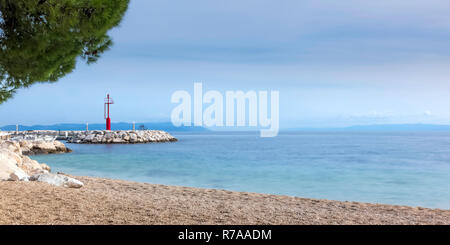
(108, 201)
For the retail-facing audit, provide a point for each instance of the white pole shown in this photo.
(87, 126)
(134, 126)
(17, 128)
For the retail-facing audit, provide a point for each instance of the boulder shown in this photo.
(89, 137)
(45, 167)
(11, 146)
(60, 147)
(30, 166)
(26, 146)
(43, 147)
(14, 166)
(18, 175)
(108, 135)
(9, 162)
(57, 180)
(117, 141)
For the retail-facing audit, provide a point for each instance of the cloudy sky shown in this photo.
(335, 63)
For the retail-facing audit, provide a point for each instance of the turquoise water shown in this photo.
(395, 168)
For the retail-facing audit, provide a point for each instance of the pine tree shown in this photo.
(40, 40)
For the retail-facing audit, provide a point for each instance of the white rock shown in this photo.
(19, 175)
(90, 137)
(45, 167)
(118, 141)
(9, 162)
(12, 146)
(57, 179)
(29, 165)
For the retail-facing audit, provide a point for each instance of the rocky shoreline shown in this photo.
(42, 147)
(15, 165)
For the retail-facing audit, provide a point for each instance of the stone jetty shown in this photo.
(94, 136)
(120, 137)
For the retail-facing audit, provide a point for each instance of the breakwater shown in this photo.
(120, 137)
(95, 136)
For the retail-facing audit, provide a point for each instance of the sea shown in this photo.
(401, 168)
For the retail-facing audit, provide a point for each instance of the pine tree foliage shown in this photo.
(41, 40)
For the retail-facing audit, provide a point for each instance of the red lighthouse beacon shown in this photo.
(108, 101)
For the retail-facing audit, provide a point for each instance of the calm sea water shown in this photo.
(394, 168)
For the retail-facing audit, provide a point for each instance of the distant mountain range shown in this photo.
(382, 128)
(166, 126)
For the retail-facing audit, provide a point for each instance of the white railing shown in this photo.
(34, 138)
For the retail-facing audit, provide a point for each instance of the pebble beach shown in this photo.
(107, 201)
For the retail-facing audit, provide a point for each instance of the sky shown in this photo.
(334, 63)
